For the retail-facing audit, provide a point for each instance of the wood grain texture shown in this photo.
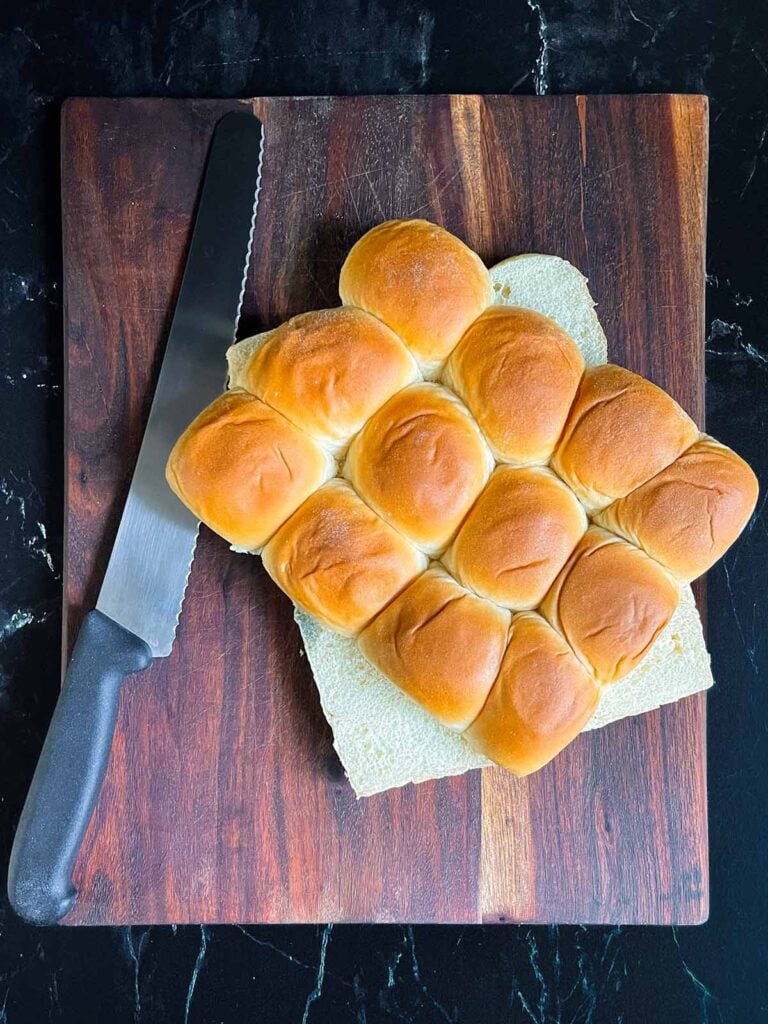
(224, 800)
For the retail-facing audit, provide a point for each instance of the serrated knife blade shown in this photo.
(144, 585)
(143, 589)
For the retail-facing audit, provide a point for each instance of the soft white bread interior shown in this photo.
(554, 287)
(239, 357)
(385, 739)
(418, 472)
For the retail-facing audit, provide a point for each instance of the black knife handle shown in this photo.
(71, 769)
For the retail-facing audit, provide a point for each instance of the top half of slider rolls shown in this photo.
(339, 561)
(441, 644)
(620, 432)
(689, 514)
(517, 536)
(422, 281)
(243, 468)
(327, 371)
(542, 698)
(610, 602)
(420, 462)
(518, 372)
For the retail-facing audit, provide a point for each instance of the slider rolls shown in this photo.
(420, 462)
(518, 373)
(421, 281)
(339, 560)
(243, 468)
(440, 643)
(560, 506)
(329, 371)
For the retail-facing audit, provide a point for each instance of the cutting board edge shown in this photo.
(88, 101)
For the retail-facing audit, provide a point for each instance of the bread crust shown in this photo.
(620, 432)
(339, 561)
(422, 281)
(243, 468)
(421, 480)
(610, 602)
(441, 644)
(542, 699)
(420, 462)
(689, 514)
(517, 536)
(518, 372)
(328, 371)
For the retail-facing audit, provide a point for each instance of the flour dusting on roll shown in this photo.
(329, 371)
(422, 281)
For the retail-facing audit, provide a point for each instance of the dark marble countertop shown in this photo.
(50, 49)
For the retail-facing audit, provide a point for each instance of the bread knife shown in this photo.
(140, 601)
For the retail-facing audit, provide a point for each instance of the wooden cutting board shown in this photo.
(224, 800)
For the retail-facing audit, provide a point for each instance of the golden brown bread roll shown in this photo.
(420, 462)
(339, 561)
(517, 536)
(541, 700)
(620, 432)
(689, 514)
(242, 468)
(441, 645)
(610, 602)
(421, 281)
(518, 372)
(329, 370)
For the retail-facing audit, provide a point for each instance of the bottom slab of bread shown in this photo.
(382, 737)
